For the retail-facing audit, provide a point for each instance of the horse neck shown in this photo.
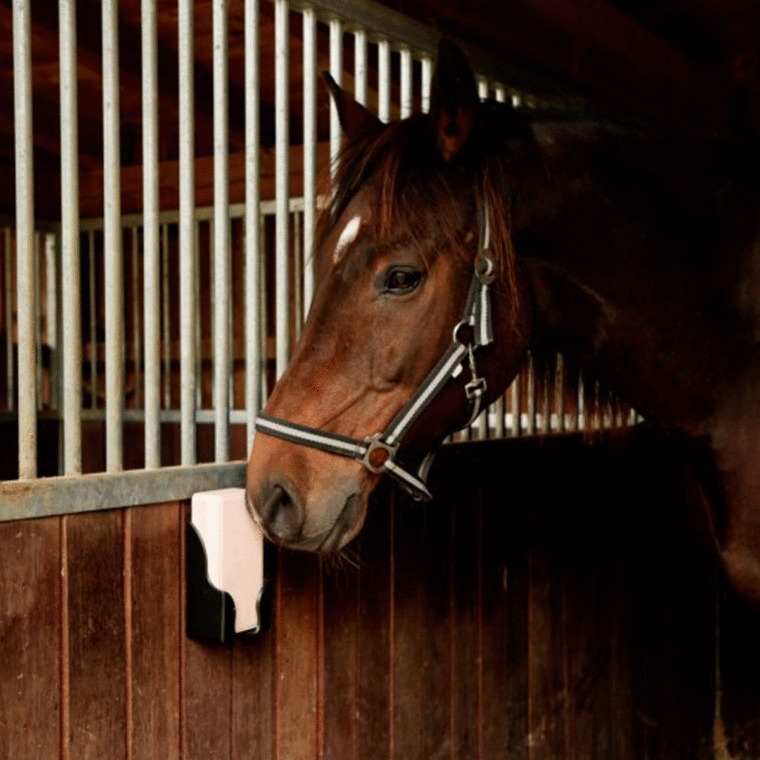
(631, 261)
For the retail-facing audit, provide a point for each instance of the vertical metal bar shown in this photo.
(136, 338)
(384, 80)
(427, 80)
(282, 188)
(559, 391)
(252, 203)
(188, 268)
(8, 303)
(71, 324)
(112, 240)
(38, 317)
(93, 319)
(51, 317)
(336, 69)
(531, 396)
(151, 236)
(165, 326)
(360, 66)
(309, 149)
(406, 83)
(499, 93)
(22, 101)
(198, 330)
(263, 331)
(499, 430)
(517, 405)
(221, 232)
(482, 87)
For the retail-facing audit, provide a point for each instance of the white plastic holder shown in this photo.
(225, 567)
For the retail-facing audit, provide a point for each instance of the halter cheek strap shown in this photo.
(378, 452)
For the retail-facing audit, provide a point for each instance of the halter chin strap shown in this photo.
(378, 452)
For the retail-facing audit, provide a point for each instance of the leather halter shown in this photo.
(378, 452)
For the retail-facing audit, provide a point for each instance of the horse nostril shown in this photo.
(281, 514)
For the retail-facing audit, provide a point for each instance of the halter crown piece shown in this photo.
(378, 452)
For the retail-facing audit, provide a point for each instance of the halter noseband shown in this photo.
(378, 452)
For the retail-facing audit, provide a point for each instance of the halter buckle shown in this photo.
(476, 388)
(485, 267)
(378, 453)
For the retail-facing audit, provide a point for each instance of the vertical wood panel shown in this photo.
(156, 605)
(97, 642)
(298, 636)
(30, 635)
(409, 650)
(342, 589)
(373, 692)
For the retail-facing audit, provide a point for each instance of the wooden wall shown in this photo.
(555, 602)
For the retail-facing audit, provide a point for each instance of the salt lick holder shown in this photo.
(227, 594)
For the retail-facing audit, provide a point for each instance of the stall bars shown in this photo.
(369, 28)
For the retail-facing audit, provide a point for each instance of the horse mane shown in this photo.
(416, 192)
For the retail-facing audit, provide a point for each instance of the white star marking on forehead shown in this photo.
(350, 231)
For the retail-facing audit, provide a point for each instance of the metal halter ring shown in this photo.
(485, 267)
(378, 453)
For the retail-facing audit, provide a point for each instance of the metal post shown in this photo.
(282, 187)
(427, 79)
(93, 319)
(406, 83)
(71, 325)
(112, 240)
(151, 237)
(221, 233)
(360, 66)
(136, 337)
(22, 99)
(336, 69)
(165, 326)
(252, 202)
(384, 80)
(8, 303)
(309, 148)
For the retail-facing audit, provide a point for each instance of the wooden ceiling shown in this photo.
(688, 62)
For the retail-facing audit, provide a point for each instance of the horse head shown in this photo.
(395, 251)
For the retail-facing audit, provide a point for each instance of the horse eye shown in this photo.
(401, 281)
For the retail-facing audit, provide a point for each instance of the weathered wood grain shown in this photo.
(30, 638)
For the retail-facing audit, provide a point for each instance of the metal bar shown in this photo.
(531, 396)
(499, 427)
(384, 80)
(198, 322)
(8, 303)
(221, 256)
(48, 497)
(112, 240)
(360, 66)
(151, 236)
(427, 80)
(336, 70)
(559, 390)
(136, 332)
(24, 157)
(38, 318)
(51, 318)
(263, 368)
(309, 148)
(252, 203)
(165, 326)
(71, 314)
(282, 184)
(499, 93)
(482, 87)
(516, 406)
(406, 83)
(188, 267)
(93, 319)
(297, 283)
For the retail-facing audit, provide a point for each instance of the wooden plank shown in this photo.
(341, 594)
(206, 701)
(504, 637)
(297, 644)
(97, 636)
(438, 579)
(156, 576)
(374, 705)
(30, 636)
(409, 622)
(466, 663)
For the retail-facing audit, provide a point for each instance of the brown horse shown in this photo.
(632, 252)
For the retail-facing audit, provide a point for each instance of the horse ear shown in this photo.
(453, 100)
(354, 117)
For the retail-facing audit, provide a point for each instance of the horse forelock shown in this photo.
(415, 197)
